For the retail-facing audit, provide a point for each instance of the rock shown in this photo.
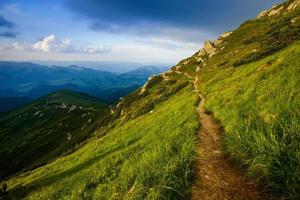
(275, 11)
(202, 52)
(262, 14)
(112, 111)
(217, 42)
(63, 106)
(293, 5)
(294, 20)
(73, 107)
(217, 152)
(37, 113)
(199, 59)
(90, 120)
(69, 136)
(208, 49)
(225, 35)
(198, 69)
(186, 62)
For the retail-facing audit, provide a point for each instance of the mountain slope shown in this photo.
(250, 78)
(154, 128)
(9, 103)
(40, 131)
(31, 80)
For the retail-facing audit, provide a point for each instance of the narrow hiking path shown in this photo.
(215, 177)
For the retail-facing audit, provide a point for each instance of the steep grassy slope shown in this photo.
(145, 153)
(146, 146)
(259, 106)
(42, 130)
(251, 79)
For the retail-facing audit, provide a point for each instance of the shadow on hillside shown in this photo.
(22, 191)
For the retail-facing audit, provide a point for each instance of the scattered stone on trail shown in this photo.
(217, 152)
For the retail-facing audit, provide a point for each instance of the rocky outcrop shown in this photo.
(208, 49)
(143, 90)
(275, 11)
(294, 5)
(262, 14)
(225, 35)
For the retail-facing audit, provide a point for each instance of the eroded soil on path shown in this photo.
(216, 177)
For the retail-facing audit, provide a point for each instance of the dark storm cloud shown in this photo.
(6, 23)
(115, 15)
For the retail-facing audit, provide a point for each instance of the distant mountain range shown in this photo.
(25, 80)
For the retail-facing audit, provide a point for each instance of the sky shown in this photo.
(164, 31)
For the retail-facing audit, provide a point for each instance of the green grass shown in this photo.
(259, 107)
(147, 157)
(42, 130)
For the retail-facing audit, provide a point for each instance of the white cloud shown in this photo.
(52, 44)
(46, 44)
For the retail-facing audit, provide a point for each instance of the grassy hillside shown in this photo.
(146, 146)
(252, 86)
(40, 131)
(258, 105)
(145, 153)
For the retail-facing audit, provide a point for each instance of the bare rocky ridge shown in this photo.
(276, 10)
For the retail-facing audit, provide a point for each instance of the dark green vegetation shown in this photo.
(9, 103)
(145, 151)
(37, 133)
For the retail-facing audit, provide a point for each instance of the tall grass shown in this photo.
(149, 157)
(259, 107)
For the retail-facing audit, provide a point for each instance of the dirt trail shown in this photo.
(216, 177)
